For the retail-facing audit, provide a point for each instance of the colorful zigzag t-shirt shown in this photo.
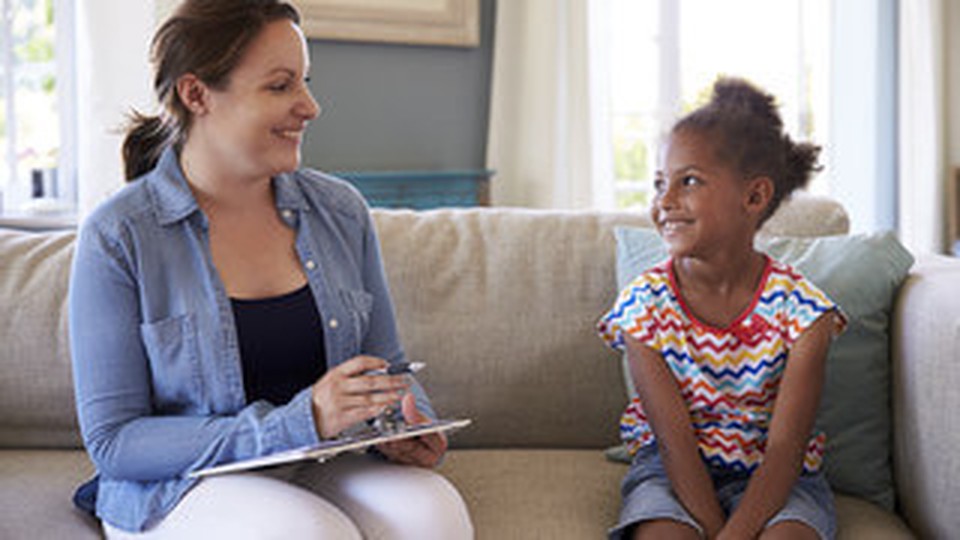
(728, 377)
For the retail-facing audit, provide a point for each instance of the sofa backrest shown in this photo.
(501, 305)
(499, 302)
(36, 389)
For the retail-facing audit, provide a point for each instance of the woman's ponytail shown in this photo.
(147, 137)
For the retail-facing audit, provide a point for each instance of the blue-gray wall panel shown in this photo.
(396, 107)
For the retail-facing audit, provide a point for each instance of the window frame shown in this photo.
(13, 197)
(670, 92)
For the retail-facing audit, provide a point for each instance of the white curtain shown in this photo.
(113, 76)
(922, 172)
(548, 135)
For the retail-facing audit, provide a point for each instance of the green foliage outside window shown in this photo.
(631, 161)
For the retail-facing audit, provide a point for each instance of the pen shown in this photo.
(398, 369)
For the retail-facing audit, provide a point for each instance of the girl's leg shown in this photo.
(649, 508)
(664, 528)
(389, 501)
(808, 513)
(790, 530)
(247, 506)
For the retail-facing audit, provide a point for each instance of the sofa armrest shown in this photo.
(926, 400)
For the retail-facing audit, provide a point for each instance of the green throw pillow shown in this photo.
(861, 273)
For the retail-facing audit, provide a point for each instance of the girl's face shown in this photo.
(255, 125)
(701, 204)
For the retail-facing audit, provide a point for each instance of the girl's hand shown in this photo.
(423, 451)
(345, 395)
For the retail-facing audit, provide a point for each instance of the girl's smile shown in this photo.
(700, 202)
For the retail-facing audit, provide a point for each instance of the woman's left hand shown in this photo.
(423, 451)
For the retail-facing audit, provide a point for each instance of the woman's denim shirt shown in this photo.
(156, 361)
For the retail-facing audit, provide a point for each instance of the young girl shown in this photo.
(726, 346)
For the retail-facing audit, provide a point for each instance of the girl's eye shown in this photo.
(689, 180)
(658, 185)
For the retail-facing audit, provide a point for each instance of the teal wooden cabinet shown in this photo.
(422, 190)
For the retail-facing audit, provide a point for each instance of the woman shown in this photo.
(225, 305)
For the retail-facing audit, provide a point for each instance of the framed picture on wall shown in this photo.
(416, 22)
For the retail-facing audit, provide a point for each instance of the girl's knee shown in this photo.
(663, 528)
(790, 530)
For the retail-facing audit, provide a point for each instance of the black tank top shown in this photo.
(281, 345)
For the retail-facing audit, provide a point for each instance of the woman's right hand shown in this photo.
(345, 395)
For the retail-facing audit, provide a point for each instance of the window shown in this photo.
(667, 53)
(35, 135)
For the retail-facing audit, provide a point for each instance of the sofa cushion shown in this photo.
(926, 376)
(861, 273)
(521, 494)
(36, 388)
(858, 519)
(36, 487)
(498, 304)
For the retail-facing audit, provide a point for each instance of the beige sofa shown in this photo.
(500, 304)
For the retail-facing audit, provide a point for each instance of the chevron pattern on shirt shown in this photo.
(728, 377)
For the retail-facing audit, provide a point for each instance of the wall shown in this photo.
(385, 106)
(388, 107)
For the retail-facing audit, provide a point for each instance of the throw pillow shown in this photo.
(861, 273)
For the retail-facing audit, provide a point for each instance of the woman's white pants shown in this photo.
(350, 497)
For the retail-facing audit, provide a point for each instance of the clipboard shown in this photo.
(331, 448)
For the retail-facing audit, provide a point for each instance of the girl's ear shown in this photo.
(194, 94)
(759, 194)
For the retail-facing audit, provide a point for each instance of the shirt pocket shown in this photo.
(171, 346)
(359, 306)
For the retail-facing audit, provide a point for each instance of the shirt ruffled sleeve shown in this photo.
(633, 314)
(805, 304)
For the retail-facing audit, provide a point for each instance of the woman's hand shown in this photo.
(423, 451)
(345, 395)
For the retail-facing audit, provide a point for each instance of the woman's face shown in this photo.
(254, 126)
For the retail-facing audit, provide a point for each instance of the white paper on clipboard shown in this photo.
(328, 449)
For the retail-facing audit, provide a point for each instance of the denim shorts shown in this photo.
(647, 495)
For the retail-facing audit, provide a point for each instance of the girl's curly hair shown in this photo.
(747, 132)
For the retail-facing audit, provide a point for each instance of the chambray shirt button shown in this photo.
(311, 265)
(334, 323)
(287, 214)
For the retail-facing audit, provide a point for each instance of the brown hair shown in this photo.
(206, 38)
(747, 132)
